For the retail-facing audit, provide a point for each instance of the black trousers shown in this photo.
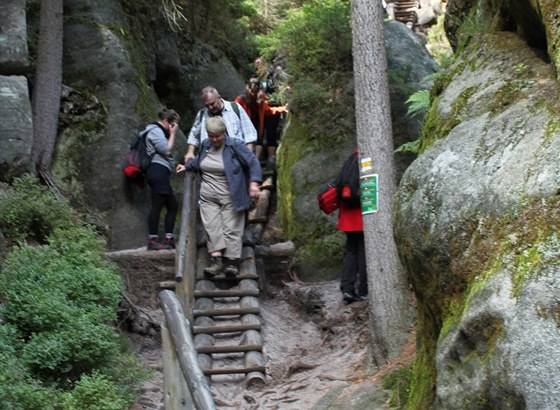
(271, 123)
(354, 273)
(159, 201)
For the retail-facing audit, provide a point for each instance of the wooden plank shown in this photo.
(226, 328)
(179, 329)
(229, 349)
(225, 293)
(177, 394)
(238, 370)
(227, 311)
(241, 275)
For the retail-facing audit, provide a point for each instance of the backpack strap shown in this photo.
(235, 108)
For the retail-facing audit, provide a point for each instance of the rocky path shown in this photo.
(316, 346)
(316, 352)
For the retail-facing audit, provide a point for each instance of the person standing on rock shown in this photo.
(231, 175)
(238, 124)
(160, 139)
(353, 281)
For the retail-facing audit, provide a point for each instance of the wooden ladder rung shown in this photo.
(225, 328)
(225, 293)
(210, 372)
(229, 349)
(221, 276)
(226, 311)
(258, 220)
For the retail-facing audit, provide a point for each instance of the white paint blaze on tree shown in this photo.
(391, 312)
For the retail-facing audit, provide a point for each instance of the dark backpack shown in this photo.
(348, 182)
(136, 161)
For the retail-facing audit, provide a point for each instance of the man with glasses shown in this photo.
(237, 121)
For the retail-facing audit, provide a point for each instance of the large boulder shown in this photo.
(475, 223)
(13, 38)
(16, 128)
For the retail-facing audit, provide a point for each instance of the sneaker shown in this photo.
(363, 298)
(349, 297)
(215, 266)
(170, 242)
(155, 245)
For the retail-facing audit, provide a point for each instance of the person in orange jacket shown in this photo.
(254, 102)
(353, 281)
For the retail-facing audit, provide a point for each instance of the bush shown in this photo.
(60, 298)
(58, 302)
(19, 391)
(29, 211)
(95, 392)
(316, 40)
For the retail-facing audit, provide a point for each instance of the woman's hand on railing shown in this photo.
(254, 190)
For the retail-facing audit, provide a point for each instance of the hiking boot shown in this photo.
(170, 242)
(156, 245)
(231, 271)
(349, 297)
(215, 266)
(231, 267)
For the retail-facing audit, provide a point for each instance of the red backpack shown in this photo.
(327, 198)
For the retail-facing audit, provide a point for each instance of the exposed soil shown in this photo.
(316, 346)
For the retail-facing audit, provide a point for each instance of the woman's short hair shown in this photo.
(169, 115)
(216, 125)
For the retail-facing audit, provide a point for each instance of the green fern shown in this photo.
(412, 147)
(418, 103)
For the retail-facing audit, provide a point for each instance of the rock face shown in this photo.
(119, 71)
(16, 127)
(14, 57)
(476, 226)
(16, 124)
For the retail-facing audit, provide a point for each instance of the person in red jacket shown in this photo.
(255, 103)
(353, 281)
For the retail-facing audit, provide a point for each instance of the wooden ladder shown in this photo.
(226, 323)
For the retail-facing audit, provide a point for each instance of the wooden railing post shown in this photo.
(180, 331)
(186, 250)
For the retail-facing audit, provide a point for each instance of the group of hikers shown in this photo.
(225, 146)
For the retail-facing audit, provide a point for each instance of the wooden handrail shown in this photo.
(180, 331)
(181, 248)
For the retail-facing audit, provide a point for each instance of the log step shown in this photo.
(226, 328)
(229, 349)
(226, 311)
(211, 372)
(258, 220)
(225, 293)
(221, 276)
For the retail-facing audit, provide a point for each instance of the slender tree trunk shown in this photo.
(391, 311)
(47, 85)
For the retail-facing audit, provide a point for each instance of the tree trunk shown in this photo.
(391, 311)
(47, 86)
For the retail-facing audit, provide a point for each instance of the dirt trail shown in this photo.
(314, 345)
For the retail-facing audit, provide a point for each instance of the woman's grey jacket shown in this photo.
(240, 165)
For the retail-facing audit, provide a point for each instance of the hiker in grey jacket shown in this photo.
(238, 123)
(159, 143)
(231, 175)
